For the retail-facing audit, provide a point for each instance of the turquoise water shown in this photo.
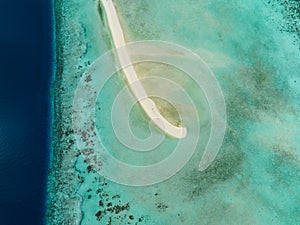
(253, 49)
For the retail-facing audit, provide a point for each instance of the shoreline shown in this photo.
(62, 141)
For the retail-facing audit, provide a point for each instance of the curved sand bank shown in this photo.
(133, 81)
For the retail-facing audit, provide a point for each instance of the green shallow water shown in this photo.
(253, 48)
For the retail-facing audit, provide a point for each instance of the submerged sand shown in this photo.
(255, 56)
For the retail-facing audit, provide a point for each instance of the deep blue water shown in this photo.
(25, 77)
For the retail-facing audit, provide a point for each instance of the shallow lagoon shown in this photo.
(254, 55)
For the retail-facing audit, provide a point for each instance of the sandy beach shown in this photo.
(134, 83)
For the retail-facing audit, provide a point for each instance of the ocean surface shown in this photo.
(26, 73)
